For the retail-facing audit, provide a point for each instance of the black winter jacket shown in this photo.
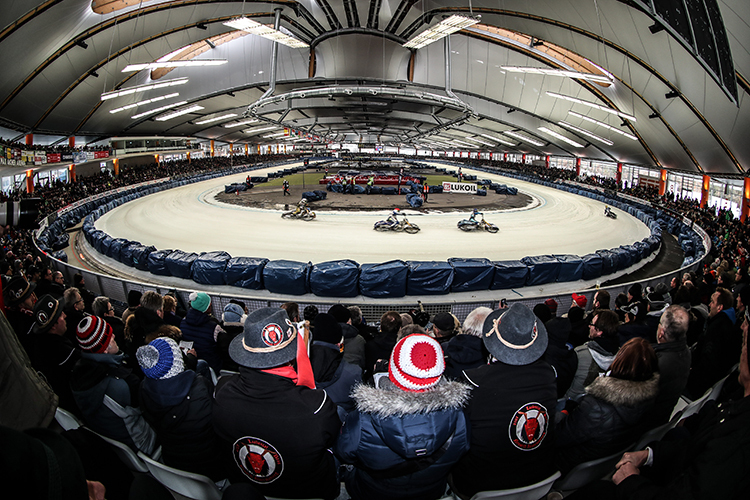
(463, 352)
(333, 374)
(674, 368)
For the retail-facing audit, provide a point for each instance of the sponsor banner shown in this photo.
(101, 154)
(40, 160)
(54, 157)
(66, 157)
(79, 157)
(457, 187)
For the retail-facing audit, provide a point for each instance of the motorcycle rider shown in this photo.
(608, 212)
(301, 207)
(392, 219)
(473, 216)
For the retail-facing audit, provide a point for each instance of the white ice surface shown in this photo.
(190, 219)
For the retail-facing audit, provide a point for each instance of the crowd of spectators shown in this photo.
(59, 148)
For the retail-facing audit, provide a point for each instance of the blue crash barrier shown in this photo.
(471, 274)
(429, 278)
(571, 267)
(140, 256)
(542, 269)
(592, 266)
(509, 274)
(126, 252)
(60, 255)
(287, 277)
(180, 263)
(387, 279)
(623, 258)
(609, 261)
(337, 278)
(116, 247)
(61, 241)
(388, 190)
(156, 263)
(414, 200)
(104, 245)
(245, 272)
(208, 269)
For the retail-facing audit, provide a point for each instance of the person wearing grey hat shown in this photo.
(232, 325)
(511, 407)
(276, 429)
(19, 299)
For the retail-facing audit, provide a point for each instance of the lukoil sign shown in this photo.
(456, 187)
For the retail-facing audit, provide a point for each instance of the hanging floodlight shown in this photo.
(440, 30)
(255, 28)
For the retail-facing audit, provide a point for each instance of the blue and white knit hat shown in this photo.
(160, 359)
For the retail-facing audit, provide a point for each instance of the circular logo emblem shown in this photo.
(272, 335)
(41, 317)
(528, 427)
(258, 460)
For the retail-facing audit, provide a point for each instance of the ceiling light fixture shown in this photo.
(558, 72)
(501, 141)
(602, 124)
(143, 88)
(591, 105)
(216, 119)
(157, 110)
(523, 138)
(141, 103)
(274, 135)
(480, 141)
(239, 124)
(560, 136)
(258, 129)
(255, 28)
(179, 112)
(174, 64)
(443, 28)
(456, 141)
(585, 132)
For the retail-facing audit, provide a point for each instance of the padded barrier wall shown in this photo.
(346, 278)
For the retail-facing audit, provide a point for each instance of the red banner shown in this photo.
(101, 154)
(54, 157)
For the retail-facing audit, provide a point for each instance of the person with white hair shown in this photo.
(466, 350)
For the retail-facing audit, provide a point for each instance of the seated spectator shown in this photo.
(512, 438)
(466, 350)
(310, 312)
(635, 324)
(19, 298)
(381, 346)
(542, 312)
(44, 284)
(560, 355)
(177, 404)
(51, 353)
(366, 331)
(411, 413)
(354, 344)
(169, 314)
(202, 329)
(595, 356)
(445, 326)
(715, 351)
(106, 391)
(612, 412)
(578, 323)
(233, 324)
(674, 361)
(552, 306)
(145, 319)
(73, 308)
(58, 285)
(134, 302)
(409, 329)
(292, 310)
(276, 430)
(331, 371)
(88, 297)
(102, 307)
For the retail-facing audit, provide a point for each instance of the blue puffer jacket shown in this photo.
(392, 428)
(198, 327)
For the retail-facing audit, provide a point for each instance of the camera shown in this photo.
(22, 214)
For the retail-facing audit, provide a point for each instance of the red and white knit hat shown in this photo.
(94, 334)
(416, 363)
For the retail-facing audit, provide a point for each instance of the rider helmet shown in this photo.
(303, 201)
(396, 211)
(476, 211)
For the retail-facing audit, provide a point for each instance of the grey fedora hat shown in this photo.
(515, 335)
(269, 340)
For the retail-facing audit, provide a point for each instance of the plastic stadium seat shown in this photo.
(67, 420)
(657, 433)
(125, 454)
(187, 484)
(531, 492)
(588, 472)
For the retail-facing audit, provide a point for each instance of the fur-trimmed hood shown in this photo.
(390, 401)
(620, 392)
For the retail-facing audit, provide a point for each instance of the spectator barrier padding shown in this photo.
(208, 269)
(471, 274)
(287, 277)
(337, 278)
(429, 278)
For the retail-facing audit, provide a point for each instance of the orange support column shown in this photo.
(30, 181)
(546, 161)
(745, 200)
(116, 165)
(72, 171)
(578, 167)
(704, 190)
(29, 139)
(505, 156)
(618, 175)
(212, 147)
(72, 141)
(231, 149)
(158, 161)
(246, 148)
(523, 159)
(662, 182)
(188, 156)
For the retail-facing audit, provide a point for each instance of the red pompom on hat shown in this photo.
(94, 334)
(416, 363)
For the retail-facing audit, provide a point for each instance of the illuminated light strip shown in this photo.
(523, 138)
(143, 88)
(558, 72)
(560, 136)
(180, 112)
(585, 132)
(261, 129)
(216, 119)
(174, 64)
(480, 141)
(147, 101)
(456, 141)
(602, 124)
(498, 140)
(239, 124)
(591, 105)
(157, 110)
(274, 135)
(255, 28)
(440, 30)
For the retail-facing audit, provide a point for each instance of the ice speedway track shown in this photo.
(190, 219)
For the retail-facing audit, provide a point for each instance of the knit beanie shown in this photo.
(160, 359)
(200, 301)
(134, 298)
(233, 313)
(327, 329)
(417, 363)
(94, 334)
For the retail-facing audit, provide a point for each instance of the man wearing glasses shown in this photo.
(73, 309)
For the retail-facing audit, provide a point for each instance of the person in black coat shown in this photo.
(466, 350)
(381, 346)
(560, 355)
(177, 404)
(611, 413)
